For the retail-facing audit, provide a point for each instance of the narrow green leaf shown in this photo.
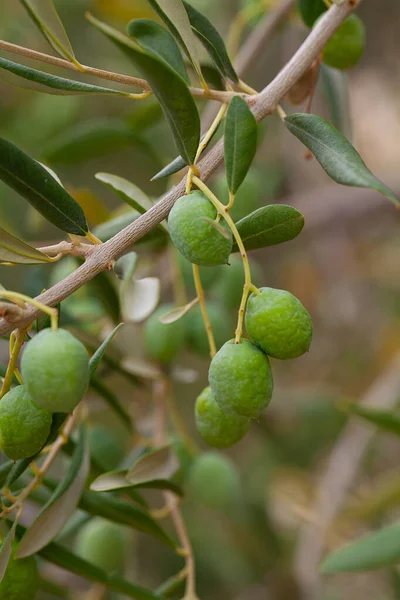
(159, 464)
(269, 225)
(335, 153)
(112, 401)
(385, 420)
(6, 549)
(170, 89)
(139, 298)
(45, 16)
(116, 480)
(212, 41)
(156, 40)
(171, 586)
(127, 191)
(51, 84)
(63, 558)
(213, 77)
(177, 313)
(240, 142)
(174, 15)
(61, 505)
(310, 10)
(27, 177)
(16, 251)
(98, 355)
(373, 551)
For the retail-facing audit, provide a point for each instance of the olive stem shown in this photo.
(247, 88)
(204, 312)
(16, 342)
(213, 127)
(248, 285)
(281, 112)
(16, 296)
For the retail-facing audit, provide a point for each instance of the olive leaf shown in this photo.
(385, 420)
(116, 480)
(156, 40)
(174, 15)
(335, 88)
(268, 226)
(6, 549)
(212, 41)
(373, 551)
(40, 81)
(177, 313)
(98, 355)
(139, 298)
(61, 505)
(335, 153)
(159, 464)
(127, 191)
(27, 177)
(14, 250)
(170, 89)
(45, 17)
(240, 142)
(310, 10)
(125, 266)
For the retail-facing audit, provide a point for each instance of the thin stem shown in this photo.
(247, 88)
(16, 342)
(213, 127)
(67, 249)
(204, 312)
(178, 284)
(281, 113)
(52, 312)
(248, 286)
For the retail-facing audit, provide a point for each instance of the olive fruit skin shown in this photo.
(278, 323)
(241, 379)
(198, 241)
(55, 370)
(214, 480)
(217, 428)
(346, 46)
(163, 342)
(24, 426)
(103, 544)
(21, 579)
(196, 331)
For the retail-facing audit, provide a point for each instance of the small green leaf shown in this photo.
(27, 177)
(61, 505)
(310, 10)
(116, 480)
(240, 142)
(14, 250)
(385, 420)
(111, 399)
(156, 40)
(170, 89)
(159, 464)
(139, 298)
(269, 225)
(335, 153)
(174, 15)
(374, 551)
(127, 191)
(98, 355)
(51, 84)
(171, 586)
(212, 41)
(6, 549)
(45, 16)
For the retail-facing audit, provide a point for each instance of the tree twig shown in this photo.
(262, 105)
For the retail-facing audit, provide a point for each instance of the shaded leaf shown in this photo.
(269, 225)
(139, 298)
(127, 191)
(172, 585)
(116, 480)
(27, 177)
(240, 142)
(174, 15)
(212, 41)
(156, 40)
(63, 558)
(385, 420)
(335, 153)
(213, 77)
(373, 551)
(177, 313)
(112, 401)
(61, 505)
(51, 84)
(125, 266)
(6, 549)
(170, 89)
(15, 250)
(45, 16)
(98, 355)
(159, 464)
(310, 10)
